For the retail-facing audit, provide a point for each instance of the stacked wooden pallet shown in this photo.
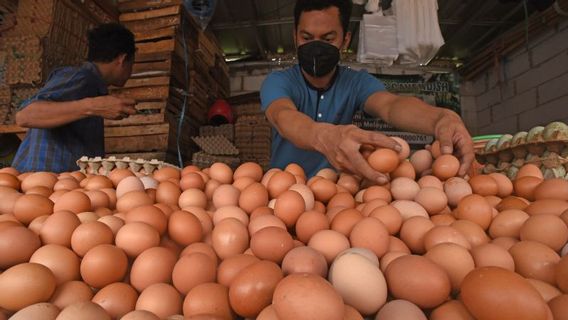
(178, 69)
(47, 34)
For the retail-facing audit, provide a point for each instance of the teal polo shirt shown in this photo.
(337, 105)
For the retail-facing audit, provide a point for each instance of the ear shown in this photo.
(121, 59)
(346, 41)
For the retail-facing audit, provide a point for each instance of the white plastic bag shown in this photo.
(377, 39)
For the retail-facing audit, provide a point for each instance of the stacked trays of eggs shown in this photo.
(545, 147)
(217, 243)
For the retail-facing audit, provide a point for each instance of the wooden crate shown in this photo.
(140, 138)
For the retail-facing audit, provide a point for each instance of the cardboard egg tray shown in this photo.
(104, 166)
(204, 160)
(226, 130)
(216, 145)
(545, 147)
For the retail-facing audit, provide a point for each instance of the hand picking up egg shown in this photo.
(216, 244)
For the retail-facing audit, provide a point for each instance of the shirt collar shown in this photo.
(319, 90)
(101, 84)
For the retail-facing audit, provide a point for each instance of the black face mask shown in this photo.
(318, 58)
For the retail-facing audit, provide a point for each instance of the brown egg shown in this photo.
(432, 199)
(404, 188)
(225, 195)
(42, 191)
(103, 265)
(344, 220)
(451, 310)
(117, 175)
(547, 291)
(484, 185)
(192, 270)
(154, 265)
(530, 170)
(59, 227)
(229, 237)
(504, 185)
(191, 180)
(74, 201)
(535, 260)
(547, 229)
(161, 299)
(221, 172)
(421, 160)
(136, 237)
(133, 200)
(166, 173)
(505, 242)
(230, 267)
(111, 193)
(204, 218)
(71, 292)
(471, 231)
(445, 166)
(253, 197)
(552, 189)
(264, 221)
(418, 280)
(454, 259)
(67, 184)
(98, 198)
(251, 290)
(271, 243)
(508, 223)
(359, 281)
(140, 315)
(290, 296)
(249, 169)
(323, 190)
(98, 182)
(524, 187)
(329, 243)
(25, 284)
(390, 257)
(208, 298)
(444, 219)
(349, 182)
(37, 224)
(404, 169)
(430, 182)
(559, 307)
(475, 209)
(9, 198)
(456, 189)
(328, 174)
(400, 310)
(85, 311)
(389, 216)
(304, 260)
(412, 233)
(341, 199)
(395, 244)
(17, 245)
(38, 311)
(230, 212)
(309, 223)
(512, 202)
(114, 223)
(148, 214)
(562, 274)
(10, 181)
(89, 235)
(117, 299)
(496, 293)
(168, 193)
(370, 233)
(39, 179)
(63, 263)
(444, 234)
(184, 228)
(550, 206)
(384, 160)
(289, 206)
(279, 183)
(192, 198)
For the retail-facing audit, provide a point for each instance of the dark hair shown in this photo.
(344, 6)
(108, 41)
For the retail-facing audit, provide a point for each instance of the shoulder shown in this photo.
(359, 78)
(290, 75)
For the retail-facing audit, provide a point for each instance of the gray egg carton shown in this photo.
(93, 165)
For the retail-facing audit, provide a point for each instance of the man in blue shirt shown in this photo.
(65, 117)
(311, 105)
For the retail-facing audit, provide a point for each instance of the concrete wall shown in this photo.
(528, 88)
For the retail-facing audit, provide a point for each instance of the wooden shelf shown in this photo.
(12, 128)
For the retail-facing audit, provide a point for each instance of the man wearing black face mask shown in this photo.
(311, 105)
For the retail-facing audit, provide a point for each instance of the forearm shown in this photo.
(409, 113)
(49, 114)
(295, 126)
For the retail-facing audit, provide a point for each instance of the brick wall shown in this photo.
(527, 88)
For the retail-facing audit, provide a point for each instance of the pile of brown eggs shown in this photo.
(218, 244)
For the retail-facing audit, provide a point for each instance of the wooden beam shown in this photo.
(147, 82)
(137, 5)
(168, 32)
(147, 93)
(131, 131)
(152, 24)
(157, 46)
(149, 14)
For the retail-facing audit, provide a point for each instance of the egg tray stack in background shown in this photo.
(543, 146)
(216, 143)
(103, 166)
(253, 135)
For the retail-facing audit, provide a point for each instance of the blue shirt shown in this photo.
(59, 148)
(337, 105)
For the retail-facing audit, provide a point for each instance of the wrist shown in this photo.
(87, 106)
(321, 131)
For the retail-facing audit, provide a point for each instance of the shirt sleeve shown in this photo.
(275, 86)
(62, 86)
(368, 85)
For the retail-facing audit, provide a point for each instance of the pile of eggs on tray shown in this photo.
(223, 244)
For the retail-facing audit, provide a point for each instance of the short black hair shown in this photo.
(344, 6)
(109, 40)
